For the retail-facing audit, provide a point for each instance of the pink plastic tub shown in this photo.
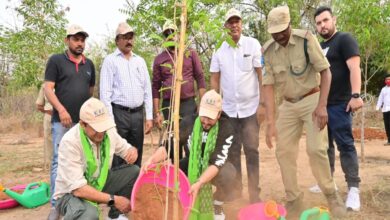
(256, 212)
(161, 179)
(11, 203)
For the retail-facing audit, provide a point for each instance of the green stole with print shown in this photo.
(203, 208)
(99, 181)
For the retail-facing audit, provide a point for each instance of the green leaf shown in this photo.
(156, 37)
(167, 44)
(168, 65)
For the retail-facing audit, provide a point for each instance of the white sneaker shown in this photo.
(120, 217)
(218, 211)
(316, 188)
(353, 199)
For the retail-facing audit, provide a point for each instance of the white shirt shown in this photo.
(384, 99)
(126, 82)
(72, 161)
(239, 80)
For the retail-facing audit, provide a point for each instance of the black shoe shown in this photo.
(387, 144)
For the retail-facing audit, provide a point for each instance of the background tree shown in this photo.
(368, 21)
(25, 49)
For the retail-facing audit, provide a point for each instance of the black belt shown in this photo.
(137, 109)
(181, 100)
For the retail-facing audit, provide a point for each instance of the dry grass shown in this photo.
(18, 112)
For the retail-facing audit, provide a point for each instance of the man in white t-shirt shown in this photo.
(236, 73)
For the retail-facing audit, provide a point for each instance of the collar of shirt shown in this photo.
(73, 60)
(117, 52)
(239, 43)
(290, 41)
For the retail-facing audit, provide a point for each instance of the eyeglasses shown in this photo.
(128, 36)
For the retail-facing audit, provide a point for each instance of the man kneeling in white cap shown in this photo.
(84, 178)
(207, 164)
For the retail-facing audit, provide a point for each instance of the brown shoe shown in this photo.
(294, 207)
(336, 205)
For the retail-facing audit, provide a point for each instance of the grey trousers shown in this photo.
(120, 182)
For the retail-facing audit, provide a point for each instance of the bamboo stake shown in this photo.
(179, 80)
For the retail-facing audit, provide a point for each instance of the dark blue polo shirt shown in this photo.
(72, 82)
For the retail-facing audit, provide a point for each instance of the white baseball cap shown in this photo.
(232, 13)
(95, 113)
(123, 28)
(210, 104)
(75, 29)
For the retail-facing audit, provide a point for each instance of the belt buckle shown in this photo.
(294, 100)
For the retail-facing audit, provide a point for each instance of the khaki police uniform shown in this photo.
(48, 146)
(300, 95)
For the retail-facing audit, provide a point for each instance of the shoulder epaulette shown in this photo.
(301, 33)
(267, 44)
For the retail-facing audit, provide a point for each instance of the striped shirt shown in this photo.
(126, 82)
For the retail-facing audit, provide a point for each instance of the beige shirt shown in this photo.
(72, 162)
(42, 100)
(278, 60)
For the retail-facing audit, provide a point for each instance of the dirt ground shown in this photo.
(21, 160)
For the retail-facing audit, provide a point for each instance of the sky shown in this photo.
(99, 18)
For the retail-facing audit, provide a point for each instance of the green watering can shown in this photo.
(35, 194)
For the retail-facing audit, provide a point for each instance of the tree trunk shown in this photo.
(177, 89)
(362, 154)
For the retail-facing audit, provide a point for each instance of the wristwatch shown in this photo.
(355, 95)
(111, 202)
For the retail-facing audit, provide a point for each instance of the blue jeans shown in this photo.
(340, 128)
(58, 132)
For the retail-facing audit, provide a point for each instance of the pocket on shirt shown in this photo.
(280, 72)
(247, 63)
(298, 65)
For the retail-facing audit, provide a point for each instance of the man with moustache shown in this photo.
(69, 82)
(163, 78)
(297, 69)
(237, 70)
(125, 89)
(342, 51)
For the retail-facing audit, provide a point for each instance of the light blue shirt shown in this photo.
(126, 82)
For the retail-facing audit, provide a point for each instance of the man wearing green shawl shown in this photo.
(84, 178)
(207, 163)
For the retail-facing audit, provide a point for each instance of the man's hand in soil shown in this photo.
(65, 118)
(194, 191)
(122, 204)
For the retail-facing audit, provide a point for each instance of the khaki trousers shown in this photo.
(293, 117)
(48, 146)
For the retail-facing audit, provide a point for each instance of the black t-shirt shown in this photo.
(72, 83)
(222, 144)
(338, 50)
